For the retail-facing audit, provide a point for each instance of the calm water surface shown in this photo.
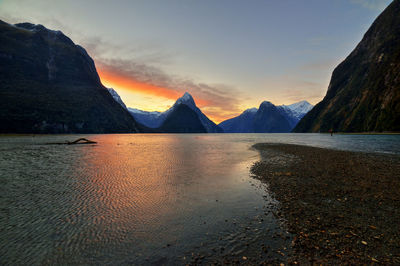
(143, 199)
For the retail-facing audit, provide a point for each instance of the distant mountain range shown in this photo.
(364, 91)
(268, 118)
(48, 84)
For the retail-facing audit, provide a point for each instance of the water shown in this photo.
(143, 199)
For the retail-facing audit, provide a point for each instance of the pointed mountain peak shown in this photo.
(186, 99)
(187, 95)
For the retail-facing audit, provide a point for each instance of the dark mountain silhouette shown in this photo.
(364, 92)
(50, 85)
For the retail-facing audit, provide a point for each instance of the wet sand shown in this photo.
(340, 206)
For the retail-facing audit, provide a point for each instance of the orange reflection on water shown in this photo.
(143, 183)
(129, 180)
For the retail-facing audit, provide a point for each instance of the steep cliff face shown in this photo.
(364, 92)
(50, 85)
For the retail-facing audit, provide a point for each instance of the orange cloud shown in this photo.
(120, 80)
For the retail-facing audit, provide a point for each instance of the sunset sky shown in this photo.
(230, 55)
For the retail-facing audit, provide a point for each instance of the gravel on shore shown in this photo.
(341, 207)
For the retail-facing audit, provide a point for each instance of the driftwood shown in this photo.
(75, 142)
(81, 141)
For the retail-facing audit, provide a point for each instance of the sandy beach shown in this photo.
(340, 206)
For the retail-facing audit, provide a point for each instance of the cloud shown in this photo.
(146, 52)
(372, 4)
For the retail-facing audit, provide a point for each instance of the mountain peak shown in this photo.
(302, 106)
(298, 109)
(186, 99)
(266, 104)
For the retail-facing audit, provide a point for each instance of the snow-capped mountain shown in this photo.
(186, 99)
(156, 119)
(299, 109)
(267, 118)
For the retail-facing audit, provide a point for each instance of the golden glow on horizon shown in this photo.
(149, 97)
(217, 114)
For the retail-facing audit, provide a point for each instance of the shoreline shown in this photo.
(340, 206)
(157, 133)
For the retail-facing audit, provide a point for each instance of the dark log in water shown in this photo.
(75, 142)
(81, 141)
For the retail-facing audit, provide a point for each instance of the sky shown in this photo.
(229, 54)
